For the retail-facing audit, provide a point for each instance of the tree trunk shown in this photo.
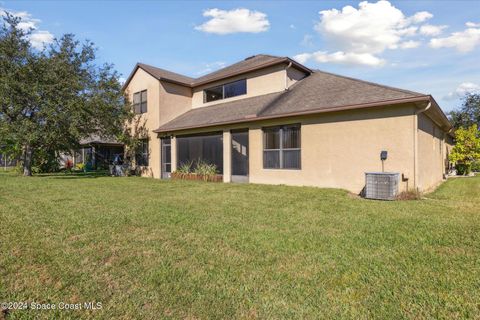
(27, 160)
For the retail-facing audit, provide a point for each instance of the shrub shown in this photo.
(409, 195)
(45, 161)
(185, 167)
(205, 169)
(18, 168)
(463, 169)
(476, 166)
(80, 167)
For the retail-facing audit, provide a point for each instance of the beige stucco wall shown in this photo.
(432, 153)
(165, 102)
(151, 119)
(338, 148)
(174, 100)
(268, 80)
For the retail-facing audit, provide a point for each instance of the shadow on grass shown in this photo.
(74, 175)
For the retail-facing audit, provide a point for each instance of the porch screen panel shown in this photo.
(208, 148)
(240, 153)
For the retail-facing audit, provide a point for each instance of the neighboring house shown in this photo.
(271, 120)
(95, 152)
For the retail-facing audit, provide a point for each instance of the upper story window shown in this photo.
(224, 91)
(281, 147)
(140, 102)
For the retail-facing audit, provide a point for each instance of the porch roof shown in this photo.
(101, 140)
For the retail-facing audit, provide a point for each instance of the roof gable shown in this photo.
(247, 65)
(159, 74)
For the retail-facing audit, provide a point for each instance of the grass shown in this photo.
(155, 249)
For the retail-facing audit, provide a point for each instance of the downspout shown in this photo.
(415, 144)
(286, 75)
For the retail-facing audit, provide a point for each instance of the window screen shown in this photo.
(234, 89)
(212, 94)
(143, 108)
(208, 148)
(281, 147)
(140, 102)
(136, 102)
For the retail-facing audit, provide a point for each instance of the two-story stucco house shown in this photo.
(271, 120)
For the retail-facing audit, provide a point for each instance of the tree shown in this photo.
(467, 147)
(469, 113)
(52, 98)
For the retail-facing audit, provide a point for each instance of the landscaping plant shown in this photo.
(466, 150)
(205, 169)
(185, 168)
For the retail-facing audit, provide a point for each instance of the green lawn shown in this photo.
(155, 249)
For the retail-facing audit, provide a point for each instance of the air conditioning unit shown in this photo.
(381, 185)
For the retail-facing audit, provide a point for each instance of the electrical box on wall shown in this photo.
(383, 155)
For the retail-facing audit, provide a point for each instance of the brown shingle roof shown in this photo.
(238, 110)
(324, 90)
(319, 92)
(249, 64)
(100, 139)
(160, 74)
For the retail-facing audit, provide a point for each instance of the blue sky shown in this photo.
(426, 46)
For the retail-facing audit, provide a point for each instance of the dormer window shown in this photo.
(224, 91)
(140, 102)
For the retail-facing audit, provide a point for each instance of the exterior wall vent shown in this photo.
(381, 185)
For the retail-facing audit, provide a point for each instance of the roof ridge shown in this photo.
(371, 83)
(161, 69)
(239, 62)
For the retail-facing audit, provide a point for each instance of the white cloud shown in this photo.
(372, 28)
(420, 17)
(462, 41)
(292, 26)
(472, 25)
(410, 44)
(348, 58)
(360, 35)
(462, 90)
(209, 67)
(38, 38)
(431, 30)
(234, 21)
(307, 40)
